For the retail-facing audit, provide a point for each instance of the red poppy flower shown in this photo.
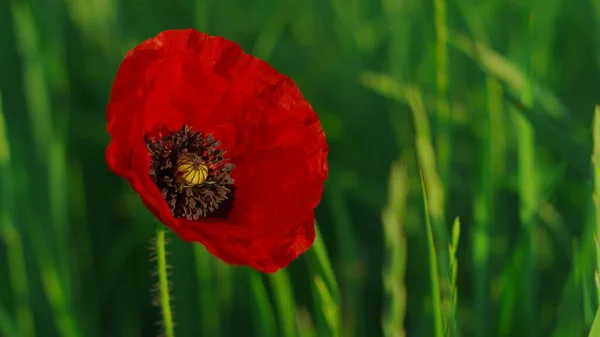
(220, 147)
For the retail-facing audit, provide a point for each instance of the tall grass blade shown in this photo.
(264, 314)
(272, 31)
(454, 268)
(438, 319)
(327, 309)
(435, 202)
(394, 270)
(443, 141)
(502, 68)
(7, 327)
(12, 239)
(596, 196)
(483, 210)
(528, 196)
(319, 264)
(35, 90)
(595, 330)
(284, 302)
(304, 322)
(207, 299)
(18, 275)
(202, 15)
(349, 270)
(224, 273)
(570, 309)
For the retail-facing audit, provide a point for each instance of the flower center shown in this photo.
(192, 173)
(190, 170)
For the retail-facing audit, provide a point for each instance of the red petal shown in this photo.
(268, 129)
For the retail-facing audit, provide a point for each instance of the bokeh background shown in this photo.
(489, 104)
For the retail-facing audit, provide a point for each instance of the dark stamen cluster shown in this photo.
(211, 198)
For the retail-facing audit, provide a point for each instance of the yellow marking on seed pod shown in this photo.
(190, 170)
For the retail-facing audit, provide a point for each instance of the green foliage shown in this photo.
(492, 102)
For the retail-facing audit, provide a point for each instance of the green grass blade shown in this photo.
(570, 309)
(327, 309)
(394, 270)
(54, 289)
(7, 327)
(272, 31)
(306, 327)
(528, 188)
(284, 301)
(433, 269)
(319, 264)
(36, 89)
(596, 196)
(501, 68)
(350, 278)
(327, 300)
(454, 268)
(225, 274)
(556, 127)
(443, 141)
(12, 239)
(559, 136)
(202, 15)
(595, 330)
(264, 315)
(18, 276)
(207, 299)
(435, 201)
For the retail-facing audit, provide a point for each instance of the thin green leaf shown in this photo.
(326, 308)
(319, 264)
(394, 270)
(595, 330)
(433, 270)
(284, 301)
(264, 313)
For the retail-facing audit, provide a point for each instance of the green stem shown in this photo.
(163, 282)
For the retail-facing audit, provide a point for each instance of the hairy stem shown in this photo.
(163, 282)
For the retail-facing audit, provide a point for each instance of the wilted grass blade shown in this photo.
(284, 301)
(264, 315)
(394, 270)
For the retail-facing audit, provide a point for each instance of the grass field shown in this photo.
(460, 200)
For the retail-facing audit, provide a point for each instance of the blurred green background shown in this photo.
(489, 104)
